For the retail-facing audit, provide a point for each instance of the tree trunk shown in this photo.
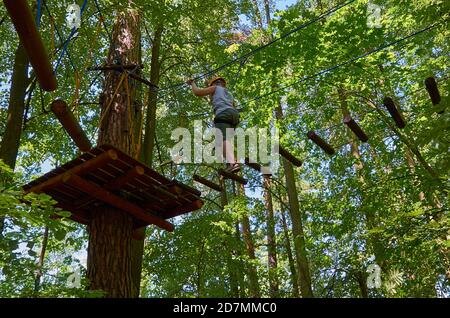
(146, 153)
(109, 251)
(374, 240)
(248, 239)
(150, 120)
(294, 277)
(11, 137)
(233, 275)
(37, 280)
(304, 275)
(271, 239)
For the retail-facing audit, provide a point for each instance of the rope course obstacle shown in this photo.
(321, 143)
(433, 91)
(207, 183)
(26, 28)
(393, 111)
(355, 128)
(70, 124)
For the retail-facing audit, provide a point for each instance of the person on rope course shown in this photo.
(226, 115)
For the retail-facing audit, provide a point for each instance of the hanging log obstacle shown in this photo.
(254, 165)
(232, 176)
(287, 155)
(395, 114)
(320, 142)
(107, 176)
(433, 91)
(25, 25)
(207, 183)
(357, 130)
(70, 124)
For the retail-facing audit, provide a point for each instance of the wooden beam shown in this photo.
(25, 25)
(254, 165)
(357, 130)
(115, 67)
(125, 178)
(207, 183)
(395, 114)
(79, 216)
(114, 184)
(195, 205)
(232, 176)
(185, 187)
(103, 195)
(83, 168)
(286, 154)
(70, 124)
(143, 80)
(320, 142)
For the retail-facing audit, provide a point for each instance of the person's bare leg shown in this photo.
(228, 152)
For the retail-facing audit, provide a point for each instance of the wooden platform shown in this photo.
(105, 175)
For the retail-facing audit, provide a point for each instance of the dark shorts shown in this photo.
(228, 118)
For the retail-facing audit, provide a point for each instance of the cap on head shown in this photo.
(215, 79)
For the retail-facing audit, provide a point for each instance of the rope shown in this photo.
(58, 33)
(354, 59)
(283, 36)
(69, 38)
(38, 14)
(122, 77)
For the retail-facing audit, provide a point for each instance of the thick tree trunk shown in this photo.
(109, 251)
(271, 239)
(304, 275)
(9, 146)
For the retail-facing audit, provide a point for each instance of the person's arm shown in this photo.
(201, 91)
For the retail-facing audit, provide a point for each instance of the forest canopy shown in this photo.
(367, 219)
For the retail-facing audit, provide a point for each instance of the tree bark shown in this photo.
(271, 239)
(146, 153)
(248, 239)
(294, 277)
(9, 146)
(233, 275)
(109, 252)
(304, 275)
(37, 280)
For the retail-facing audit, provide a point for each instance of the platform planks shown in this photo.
(105, 175)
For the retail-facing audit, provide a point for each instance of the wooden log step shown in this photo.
(290, 157)
(321, 143)
(25, 25)
(393, 111)
(207, 183)
(70, 124)
(357, 130)
(232, 176)
(433, 91)
(254, 165)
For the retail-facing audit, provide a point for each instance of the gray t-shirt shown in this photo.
(221, 100)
